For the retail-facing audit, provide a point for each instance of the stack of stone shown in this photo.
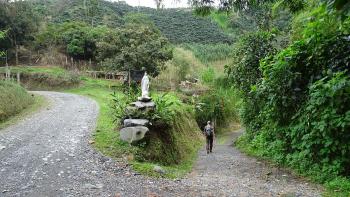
(133, 129)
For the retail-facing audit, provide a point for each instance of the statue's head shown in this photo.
(145, 73)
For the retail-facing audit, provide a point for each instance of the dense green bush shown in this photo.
(320, 133)
(219, 105)
(134, 47)
(208, 75)
(298, 112)
(244, 73)
(13, 98)
(131, 47)
(163, 114)
(244, 69)
(75, 39)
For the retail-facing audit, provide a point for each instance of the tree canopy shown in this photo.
(132, 47)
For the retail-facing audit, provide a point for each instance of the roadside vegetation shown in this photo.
(14, 99)
(44, 78)
(171, 148)
(39, 103)
(295, 92)
(280, 68)
(80, 44)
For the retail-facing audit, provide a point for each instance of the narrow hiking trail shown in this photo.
(48, 154)
(228, 172)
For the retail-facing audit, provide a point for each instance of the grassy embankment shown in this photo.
(106, 138)
(44, 78)
(16, 103)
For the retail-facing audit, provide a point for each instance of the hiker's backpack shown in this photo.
(208, 131)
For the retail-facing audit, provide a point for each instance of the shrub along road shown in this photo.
(49, 154)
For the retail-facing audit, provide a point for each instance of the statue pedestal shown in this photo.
(144, 99)
(143, 105)
(134, 130)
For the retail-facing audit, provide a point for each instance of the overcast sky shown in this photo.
(150, 3)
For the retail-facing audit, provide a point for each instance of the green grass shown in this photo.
(44, 78)
(171, 172)
(106, 137)
(13, 99)
(184, 147)
(221, 18)
(38, 103)
(339, 187)
(52, 70)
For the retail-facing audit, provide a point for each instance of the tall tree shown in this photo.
(134, 47)
(20, 21)
(2, 36)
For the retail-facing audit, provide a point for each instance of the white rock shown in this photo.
(133, 134)
(159, 169)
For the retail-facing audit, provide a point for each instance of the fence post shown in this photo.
(8, 73)
(19, 78)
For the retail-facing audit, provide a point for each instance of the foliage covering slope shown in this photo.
(13, 99)
(178, 25)
(296, 99)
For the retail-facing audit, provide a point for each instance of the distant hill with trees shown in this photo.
(178, 25)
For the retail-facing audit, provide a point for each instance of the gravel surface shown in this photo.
(48, 154)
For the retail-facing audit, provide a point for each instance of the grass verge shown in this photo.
(39, 103)
(172, 171)
(52, 70)
(106, 138)
(44, 77)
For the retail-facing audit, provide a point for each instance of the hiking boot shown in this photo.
(207, 151)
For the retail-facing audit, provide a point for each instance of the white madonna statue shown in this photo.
(145, 87)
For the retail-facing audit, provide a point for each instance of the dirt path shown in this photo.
(48, 154)
(228, 172)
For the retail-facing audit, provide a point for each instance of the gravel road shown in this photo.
(48, 154)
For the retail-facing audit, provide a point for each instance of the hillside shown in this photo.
(178, 25)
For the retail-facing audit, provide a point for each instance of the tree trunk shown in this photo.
(7, 68)
(16, 52)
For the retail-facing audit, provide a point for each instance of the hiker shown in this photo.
(209, 134)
